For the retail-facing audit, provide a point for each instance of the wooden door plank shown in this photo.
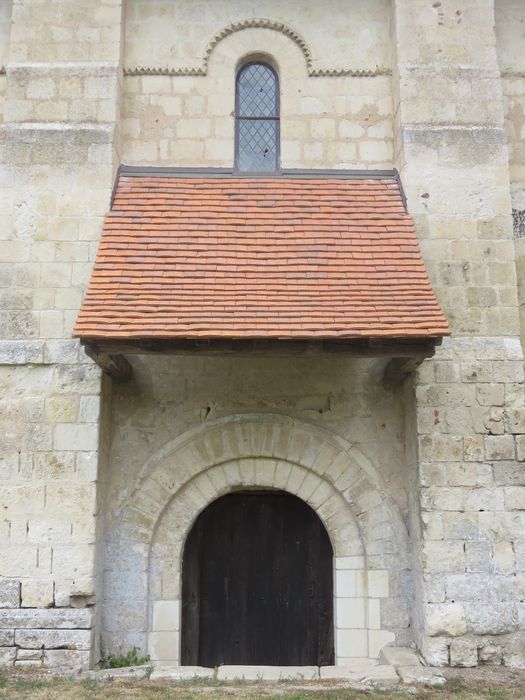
(258, 584)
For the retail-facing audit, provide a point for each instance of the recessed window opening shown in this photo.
(257, 128)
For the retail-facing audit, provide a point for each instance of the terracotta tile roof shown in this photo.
(223, 257)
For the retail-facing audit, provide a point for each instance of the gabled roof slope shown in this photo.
(203, 257)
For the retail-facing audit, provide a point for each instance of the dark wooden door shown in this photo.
(257, 584)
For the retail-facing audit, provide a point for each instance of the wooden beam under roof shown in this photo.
(116, 366)
(404, 355)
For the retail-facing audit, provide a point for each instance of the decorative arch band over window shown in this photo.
(257, 131)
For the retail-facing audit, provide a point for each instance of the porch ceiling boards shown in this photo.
(217, 261)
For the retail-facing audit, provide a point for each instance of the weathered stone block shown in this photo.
(28, 663)
(7, 656)
(75, 437)
(460, 526)
(513, 652)
(445, 619)
(496, 618)
(444, 556)
(58, 618)
(433, 474)
(499, 447)
(7, 638)
(478, 556)
(435, 588)
(67, 659)
(443, 498)
(490, 394)
(516, 420)
(53, 639)
(483, 499)
(463, 652)
(20, 352)
(473, 448)
(422, 675)
(173, 673)
(399, 656)
(433, 525)
(30, 655)
(462, 474)
(37, 593)
(504, 560)
(61, 409)
(477, 372)
(447, 372)
(520, 447)
(254, 673)
(515, 497)
(509, 473)
(9, 593)
(490, 653)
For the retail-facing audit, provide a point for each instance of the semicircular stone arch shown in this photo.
(240, 475)
(255, 451)
(258, 23)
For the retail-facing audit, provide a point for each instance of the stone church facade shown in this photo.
(110, 451)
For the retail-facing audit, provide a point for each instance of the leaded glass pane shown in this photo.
(257, 119)
(257, 145)
(257, 91)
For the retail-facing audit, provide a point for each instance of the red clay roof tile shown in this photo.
(259, 258)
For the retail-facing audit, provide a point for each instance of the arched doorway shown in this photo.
(257, 584)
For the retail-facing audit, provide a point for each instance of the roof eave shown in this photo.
(402, 354)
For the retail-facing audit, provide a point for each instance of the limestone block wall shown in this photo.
(334, 68)
(510, 33)
(58, 159)
(471, 423)
(468, 403)
(5, 24)
(339, 34)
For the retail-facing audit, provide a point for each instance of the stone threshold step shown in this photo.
(361, 670)
(395, 665)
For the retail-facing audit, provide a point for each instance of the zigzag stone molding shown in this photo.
(285, 29)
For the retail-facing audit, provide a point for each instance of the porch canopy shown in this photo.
(193, 260)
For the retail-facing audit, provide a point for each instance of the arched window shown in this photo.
(257, 119)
